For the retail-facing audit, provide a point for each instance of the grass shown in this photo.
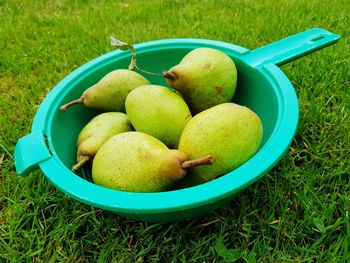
(298, 212)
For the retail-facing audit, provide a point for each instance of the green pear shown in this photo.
(158, 111)
(231, 133)
(110, 92)
(205, 77)
(138, 162)
(97, 131)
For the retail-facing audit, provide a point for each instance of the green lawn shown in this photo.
(298, 212)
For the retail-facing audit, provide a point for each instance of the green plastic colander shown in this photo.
(262, 86)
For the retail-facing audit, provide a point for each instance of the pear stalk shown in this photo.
(80, 164)
(207, 160)
(77, 101)
(133, 64)
(169, 75)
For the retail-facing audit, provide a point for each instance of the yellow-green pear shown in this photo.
(110, 92)
(138, 162)
(231, 133)
(97, 131)
(158, 111)
(205, 77)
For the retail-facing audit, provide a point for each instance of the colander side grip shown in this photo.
(30, 150)
(291, 48)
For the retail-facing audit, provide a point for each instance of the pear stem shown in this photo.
(133, 63)
(125, 46)
(169, 75)
(77, 101)
(80, 164)
(133, 59)
(206, 160)
(147, 72)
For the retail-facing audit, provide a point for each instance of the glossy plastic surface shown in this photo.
(262, 86)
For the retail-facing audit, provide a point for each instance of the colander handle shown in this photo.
(291, 48)
(29, 152)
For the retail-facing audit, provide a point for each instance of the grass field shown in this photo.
(298, 212)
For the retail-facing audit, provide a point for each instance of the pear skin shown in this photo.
(110, 92)
(138, 162)
(158, 111)
(205, 77)
(231, 133)
(97, 131)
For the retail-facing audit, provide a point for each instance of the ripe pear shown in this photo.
(138, 162)
(158, 111)
(205, 77)
(97, 131)
(110, 92)
(231, 133)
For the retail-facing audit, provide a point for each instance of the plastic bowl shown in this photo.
(262, 86)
